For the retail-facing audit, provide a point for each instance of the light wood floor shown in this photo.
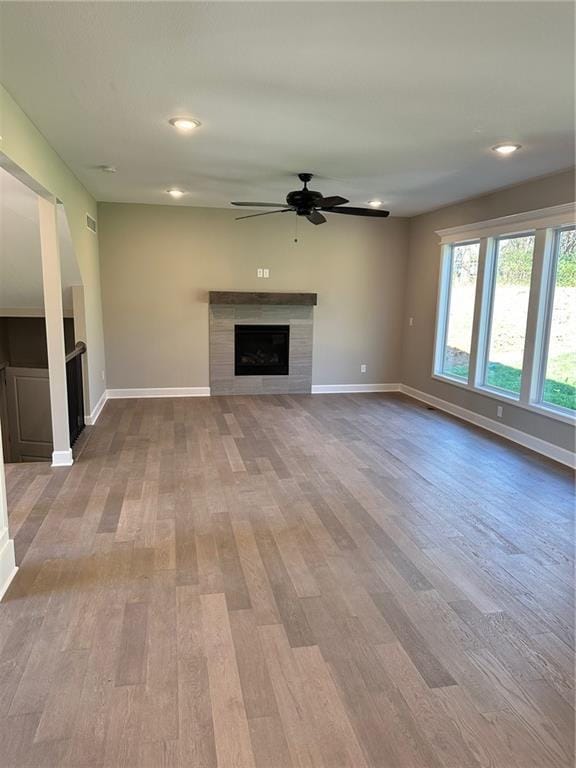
(279, 582)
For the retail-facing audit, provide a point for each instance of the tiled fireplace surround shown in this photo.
(231, 308)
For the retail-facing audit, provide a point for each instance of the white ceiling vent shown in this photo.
(91, 223)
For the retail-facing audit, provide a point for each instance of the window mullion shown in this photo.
(443, 308)
(484, 310)
(478, 304)
(535, 341)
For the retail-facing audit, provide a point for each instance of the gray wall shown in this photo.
(159, 262)
(421, 295)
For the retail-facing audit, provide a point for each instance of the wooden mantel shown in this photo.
(251, 297)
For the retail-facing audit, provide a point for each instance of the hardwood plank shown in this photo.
(291, 697)
(440, 731)
(160, 699)
(124, 732)
(38, 677)
(269, 743)
(131, 667)
(257, 690)
(58, 715)
(334, 732)
(231, 732)
(195, 744)
(237, 596)
(285, 595)
(432, 671)
(257, 583)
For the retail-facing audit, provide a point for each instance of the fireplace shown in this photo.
(261, 350)
(261, 343)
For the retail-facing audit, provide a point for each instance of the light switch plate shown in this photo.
(259, 271)
(363, 368)
(266, 273)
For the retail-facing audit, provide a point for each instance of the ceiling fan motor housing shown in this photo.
(303, 200)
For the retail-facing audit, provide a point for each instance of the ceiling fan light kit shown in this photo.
(312, 205)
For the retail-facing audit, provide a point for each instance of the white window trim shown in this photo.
(442, 307)
(480, 328)
(538, 316)
(542, 336)
(485, 299)
(544, 224)
(487, 312)
(443, 311)
(544, 218)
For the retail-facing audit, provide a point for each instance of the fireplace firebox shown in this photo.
(261, 350)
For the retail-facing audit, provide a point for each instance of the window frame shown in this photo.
(443, 313)
(546, 225)
(488, 312)
(545, 323)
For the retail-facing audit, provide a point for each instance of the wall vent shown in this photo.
(90, 223)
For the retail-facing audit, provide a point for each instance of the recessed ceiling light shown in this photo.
(375, 203)
(185, 124)
(175, 193)
(506, 149)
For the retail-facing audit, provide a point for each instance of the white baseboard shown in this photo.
(317, 389)
(93, 417)
(62, 458)
(7, 563)
(325, 389)
(119, 394)
(543, 447)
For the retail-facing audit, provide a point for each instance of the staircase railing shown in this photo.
(75, 388)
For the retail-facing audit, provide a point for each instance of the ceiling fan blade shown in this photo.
(316, 217)
(261, 205)
(330, 202)
(265, 213)
(350, 211)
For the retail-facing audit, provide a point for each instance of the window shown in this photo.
(560, 375)
(509, 312)
(506, 323)
(461, 289)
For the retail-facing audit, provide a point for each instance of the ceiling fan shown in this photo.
(312, 205)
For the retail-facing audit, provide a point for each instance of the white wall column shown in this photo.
(7, 558)
(49, 244)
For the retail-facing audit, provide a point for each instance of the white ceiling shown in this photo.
(20, 260)
(400, 101)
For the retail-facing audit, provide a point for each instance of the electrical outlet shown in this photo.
(363, 368)
(410, 321)
(499, 411)
(259, 272)
(266, 273)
